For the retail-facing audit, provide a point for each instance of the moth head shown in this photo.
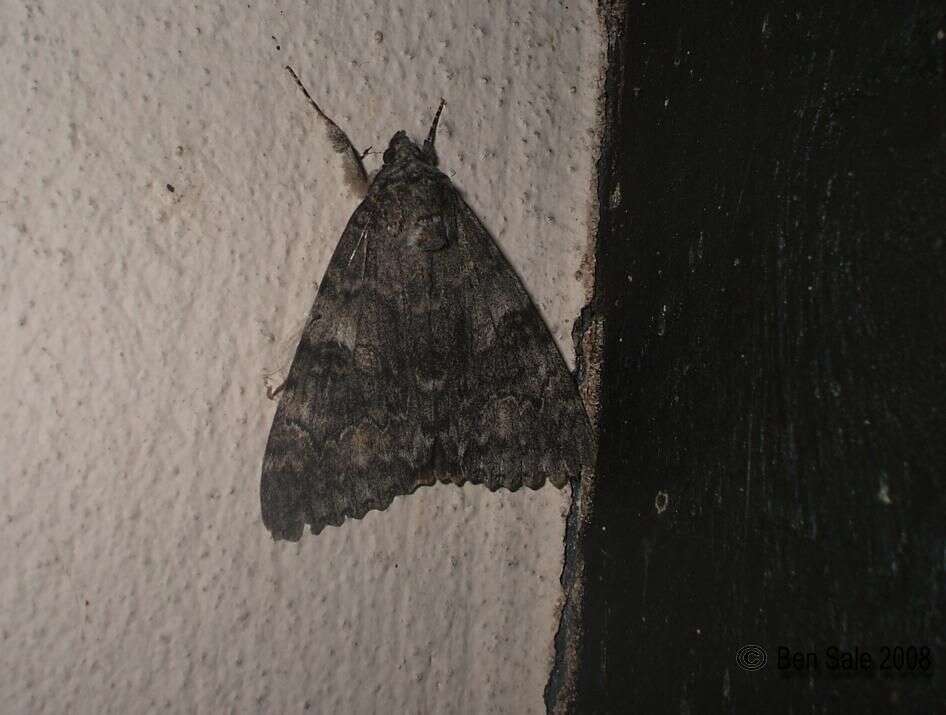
(401, 148)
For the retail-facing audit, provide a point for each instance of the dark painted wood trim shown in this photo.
(770, 274)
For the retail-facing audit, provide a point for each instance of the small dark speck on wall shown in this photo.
(170, 187)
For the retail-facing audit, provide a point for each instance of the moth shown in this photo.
(423, 360)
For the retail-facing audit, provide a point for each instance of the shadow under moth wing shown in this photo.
(423, 360)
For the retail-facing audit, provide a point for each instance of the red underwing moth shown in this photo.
(423, 360)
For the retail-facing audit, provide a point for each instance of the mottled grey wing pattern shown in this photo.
(333, 429)
(522, 420)
(421, 362)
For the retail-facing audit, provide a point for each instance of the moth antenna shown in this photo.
(340, 141)
(432, 134)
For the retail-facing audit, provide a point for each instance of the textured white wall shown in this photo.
(137, 325)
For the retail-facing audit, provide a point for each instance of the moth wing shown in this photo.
(345, 437)
(416, 366)
(521, 419)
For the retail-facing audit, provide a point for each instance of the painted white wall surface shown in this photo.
(138, 324)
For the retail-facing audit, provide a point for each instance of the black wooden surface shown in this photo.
(771, 270)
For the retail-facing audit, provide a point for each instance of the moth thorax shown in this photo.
(427, 232)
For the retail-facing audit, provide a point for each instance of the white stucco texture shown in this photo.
(139, 322)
